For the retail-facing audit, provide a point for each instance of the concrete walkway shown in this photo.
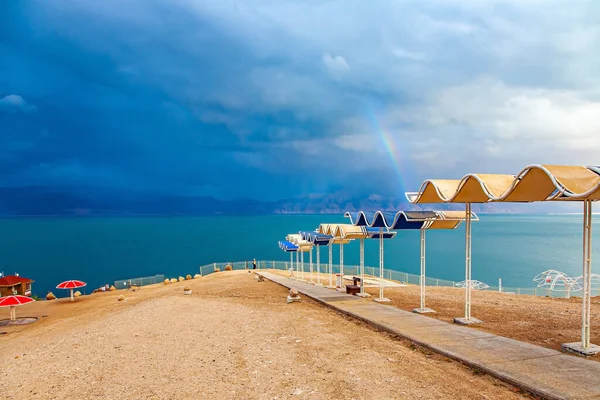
(543, 372)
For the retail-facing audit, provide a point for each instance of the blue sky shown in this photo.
(270, 99)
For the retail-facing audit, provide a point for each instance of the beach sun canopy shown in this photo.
(343, 233)
(301, 244)
(287, 246)
(329, 229)
(533, 183)
(73, 284)
(411, 220)
(316, 238)
(402, 220)
(12, 302)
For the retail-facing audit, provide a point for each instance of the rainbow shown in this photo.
(394, 152)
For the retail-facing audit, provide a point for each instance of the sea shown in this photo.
(100, 250)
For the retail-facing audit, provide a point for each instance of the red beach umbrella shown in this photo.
(73, 284)
(12, 302)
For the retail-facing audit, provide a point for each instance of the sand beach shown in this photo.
(232, 338)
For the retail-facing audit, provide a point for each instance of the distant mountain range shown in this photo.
(47, 201)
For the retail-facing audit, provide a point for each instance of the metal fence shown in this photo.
(146, 280)
(390, 274)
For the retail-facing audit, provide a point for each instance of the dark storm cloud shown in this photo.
(268, 99)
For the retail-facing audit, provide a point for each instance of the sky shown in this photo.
(269, 99)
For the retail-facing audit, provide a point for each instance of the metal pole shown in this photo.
(318, 265)
(302, 266)
(380, 263)
(291, 264)
(500, 284)
(589, 273)
(468, 263)
(587, 270)
(311, 265)
(341, 266)
(422, 279)
(330, 265)
(362, 267)
(381, 270)
(297, 258)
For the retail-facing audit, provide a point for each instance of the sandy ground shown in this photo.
(537, 320)
(543, 321)
(233, 338)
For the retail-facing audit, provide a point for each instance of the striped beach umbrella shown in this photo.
(72, 284)
(13, 302)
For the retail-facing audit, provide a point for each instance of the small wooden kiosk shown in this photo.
(15, 285)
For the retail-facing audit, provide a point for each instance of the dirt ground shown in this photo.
(543, 321)
(232, 338)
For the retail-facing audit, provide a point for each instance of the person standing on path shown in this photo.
(254, 264)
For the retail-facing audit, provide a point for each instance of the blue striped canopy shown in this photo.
(392, 220)
(409, 219)
(287, 246)
(317, 239)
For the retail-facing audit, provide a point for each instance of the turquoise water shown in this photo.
(100, 250)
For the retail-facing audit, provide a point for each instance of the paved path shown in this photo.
(544, 372)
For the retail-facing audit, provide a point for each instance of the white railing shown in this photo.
(390, 274)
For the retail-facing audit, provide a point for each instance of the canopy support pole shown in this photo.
(13, 313)
(381, 299)
(587, 273)
(422, 309)
(302, 266)
(585, 347)
(297, 262)
(331, 267)
(311, 265)
(341, 288)
(291, 264)
(467, 319)
(362, 269)
(319, 265)
(72, 298)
